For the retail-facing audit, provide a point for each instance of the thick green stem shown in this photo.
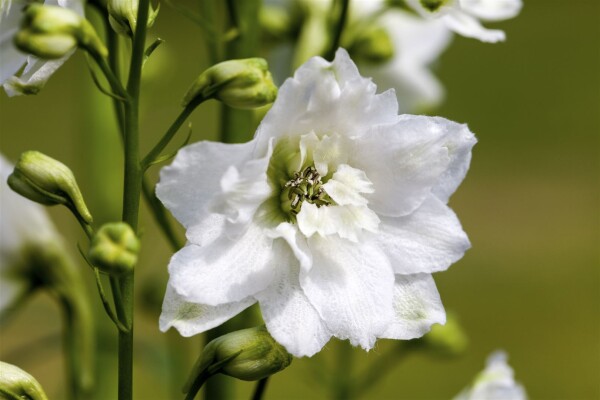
(237, 126)
(342, 382)
(259, 391)
(340, 23)
(132, 188)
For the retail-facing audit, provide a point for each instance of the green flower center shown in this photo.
(307, 186)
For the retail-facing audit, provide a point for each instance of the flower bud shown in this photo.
(447, 340)
(122, 15)
(48, 181)
(114, 249)
(373, 45)
(242, 84)
(16, 383)
(50, 32)
(249, 354)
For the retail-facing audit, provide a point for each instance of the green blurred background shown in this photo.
(530, 284)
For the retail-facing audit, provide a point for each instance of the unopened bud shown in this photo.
(18, 384)
(47, 181)
(50, 32)
(373, 45)
(447, 340)
(122, 15)
(114, 249)
(249, 354)
(242, 84)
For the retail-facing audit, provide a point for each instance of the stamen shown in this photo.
(306, 185)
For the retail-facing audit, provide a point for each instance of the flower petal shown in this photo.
(193, 318)
(347, 184)
(468, 26)
(225, 271)
(403, 161)
(428, 240)
(351, 287)
(347, 221)
(243, 192)
(417, 306)
(289, 316)
(326, 98)
(492, 10)
(187, 186)
(296, 241)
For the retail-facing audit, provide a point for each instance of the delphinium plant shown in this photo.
(330, 222)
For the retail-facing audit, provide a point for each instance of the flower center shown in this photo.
(306, 185)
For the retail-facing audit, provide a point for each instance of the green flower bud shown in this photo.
(114, 249)
(249, 354)
(447, 340)
(122, 15)
(18, 384)
(373, 45)
(48, 181)
(50, 32)
(242, 84)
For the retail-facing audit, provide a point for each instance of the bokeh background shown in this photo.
(530, 204)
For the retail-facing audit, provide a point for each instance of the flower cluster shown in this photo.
(332, 218)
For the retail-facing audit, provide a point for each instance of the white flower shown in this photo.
(23, 225)
(332, 218)
(418, 43)
(36, 72)
(463, 16)
(495, 382)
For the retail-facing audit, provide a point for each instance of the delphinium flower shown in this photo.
(35, 72)
(332, 218)
(24, 226)
(463, 16)
(495, 382)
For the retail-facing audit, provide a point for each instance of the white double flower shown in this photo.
(332, 218)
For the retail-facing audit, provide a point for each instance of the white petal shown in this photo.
(330, 152)
(243, 192)
(295, 240)
(187, 186)
(225, 271)
(346, 186)
(428, 240)
(326, 98)
(351, 287)
(34, 76)
(193, 318)
(347, 221)
(492, 10)
(443, 8)
(468, 26)
(12, 59)
(459, 141)
(404, 161)
(289, 316)
(417, 306)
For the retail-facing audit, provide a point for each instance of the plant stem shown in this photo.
(132, 188)
(260, 389)
(340, 23)
(341, 384)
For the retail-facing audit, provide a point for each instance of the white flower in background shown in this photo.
(463, 16)
(417, 43)
(36, 72)
(332, 218)
(23, 225)
(495, 382)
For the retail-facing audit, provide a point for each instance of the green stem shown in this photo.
(340, 23)
(170, 133)
(132, 188)
(259, 391)
(197, 385)
(160, 216)
(383, 366)
(343, 373)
